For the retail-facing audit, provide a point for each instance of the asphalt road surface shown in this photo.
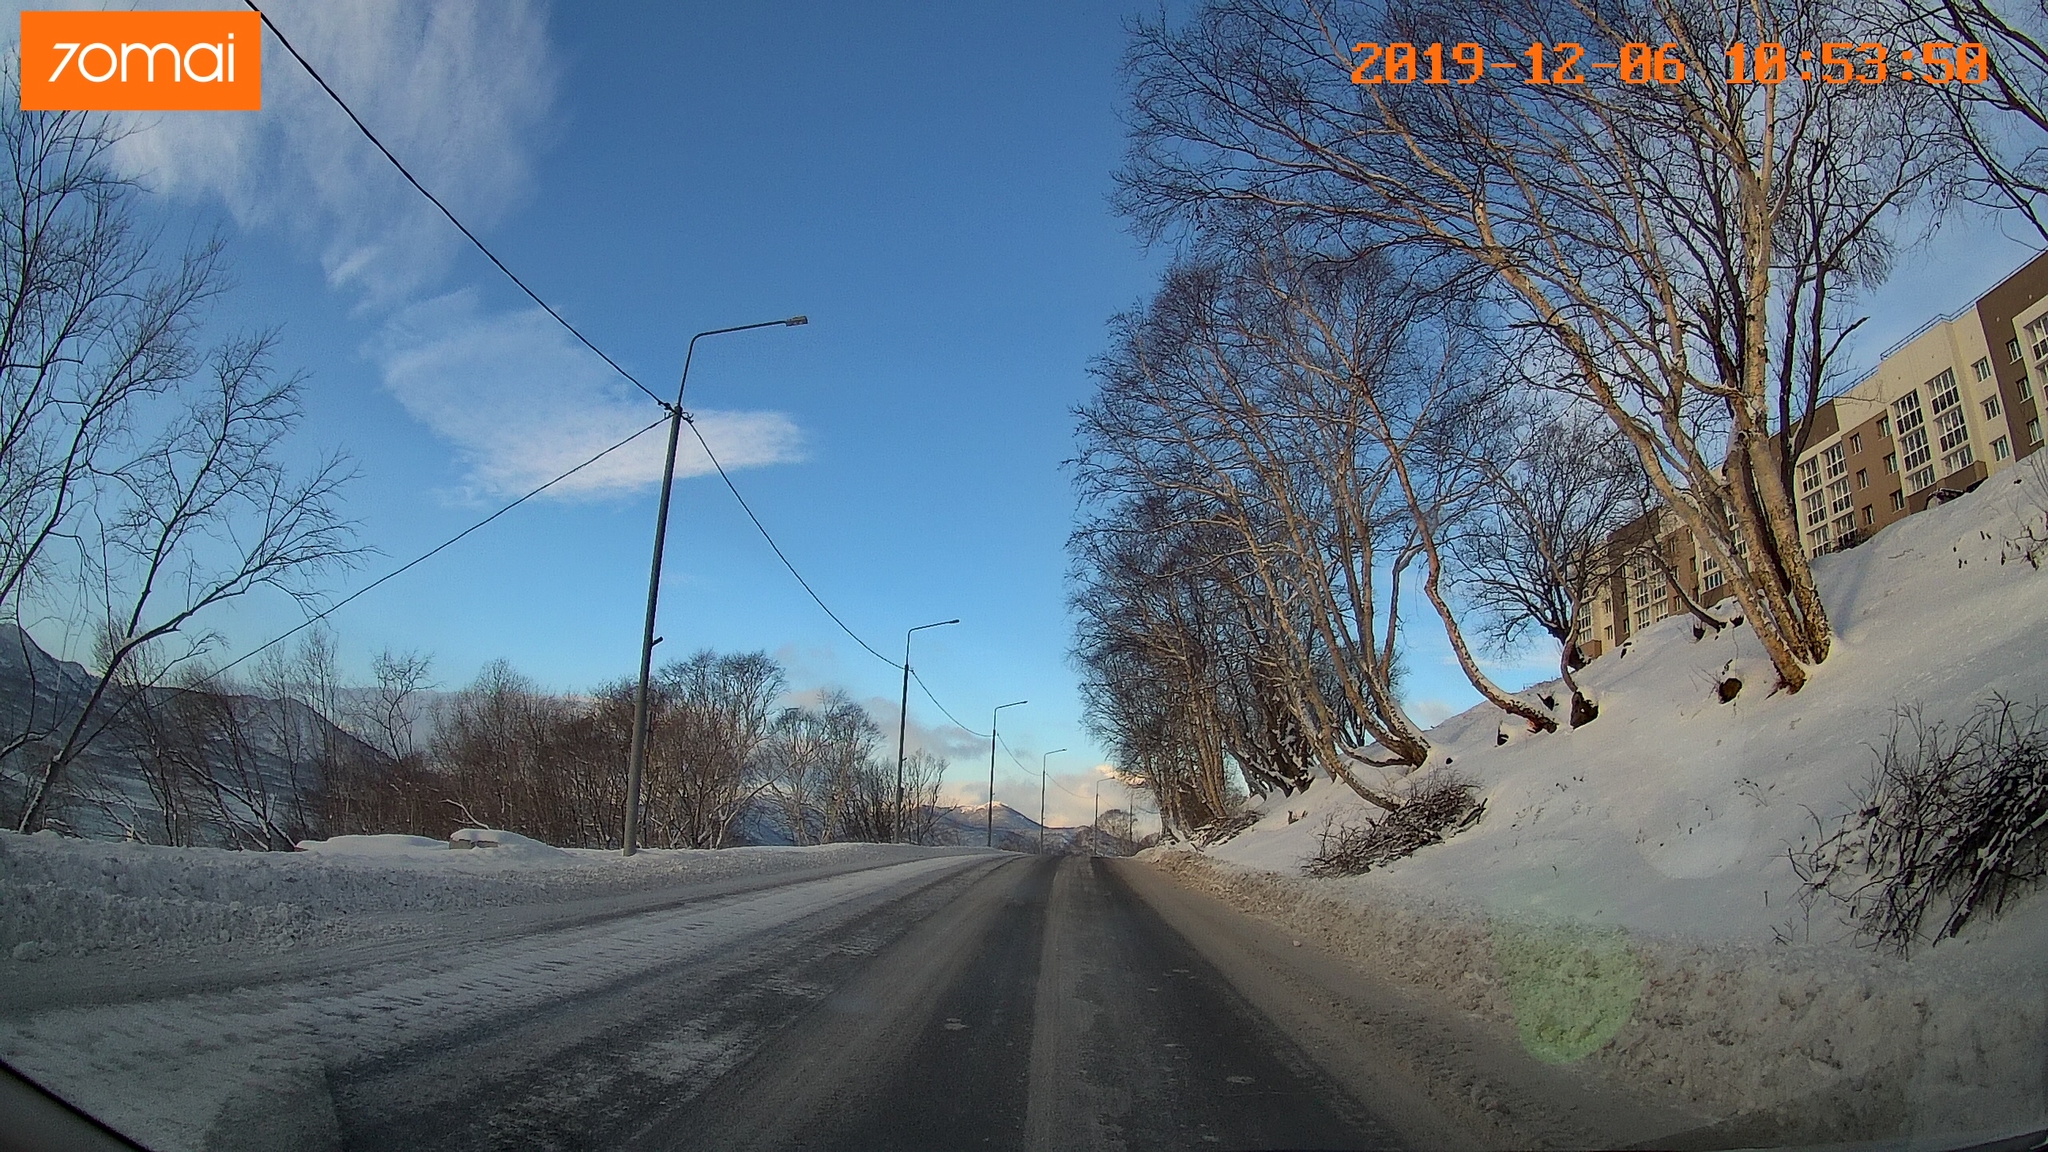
(963, 1002)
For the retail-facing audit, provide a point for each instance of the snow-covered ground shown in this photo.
(1628, 893)
(219, 1051)
(66, 897)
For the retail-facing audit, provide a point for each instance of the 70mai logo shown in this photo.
(141, 61)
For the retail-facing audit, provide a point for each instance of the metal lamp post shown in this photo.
(1095, 840)
(903, 722)
(992, 766)
(636, 764)
(1041, 796)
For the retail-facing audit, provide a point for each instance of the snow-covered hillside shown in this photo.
(1650, 849)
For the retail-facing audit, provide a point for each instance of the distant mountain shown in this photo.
(1017, 832)
(106, 793)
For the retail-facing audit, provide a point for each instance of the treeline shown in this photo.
(1441, 340)
(295, 754)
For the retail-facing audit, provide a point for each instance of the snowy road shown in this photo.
(977, 1000)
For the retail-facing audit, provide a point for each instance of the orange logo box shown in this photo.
(142, 61)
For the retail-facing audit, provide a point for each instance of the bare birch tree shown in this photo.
(2000, 107)
(1685, 248)
(1279, 463)
(1536, 553)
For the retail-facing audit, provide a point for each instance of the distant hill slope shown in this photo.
(1672, 812)
(106, 793)
(1020, 833)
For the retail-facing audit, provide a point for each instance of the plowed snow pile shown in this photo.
(62, 897)
(1628, 900)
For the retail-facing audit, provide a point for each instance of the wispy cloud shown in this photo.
(458, 89)
(461, 91)
(522, 402)
(1430, 712)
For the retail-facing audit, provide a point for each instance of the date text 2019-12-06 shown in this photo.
(1766, 62)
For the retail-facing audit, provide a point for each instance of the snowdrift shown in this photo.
(1628, 897)
(68, 897)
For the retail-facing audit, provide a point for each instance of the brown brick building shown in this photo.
(1951, 404)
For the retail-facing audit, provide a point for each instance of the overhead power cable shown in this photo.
(428, 554)
(1026, 769)
(777, 548)
(926, 689)
(436, 202)
(587, 343)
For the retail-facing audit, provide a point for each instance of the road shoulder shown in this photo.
(1440, 1077)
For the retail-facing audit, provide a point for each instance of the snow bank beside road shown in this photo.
(62, 897)
(1628, 898)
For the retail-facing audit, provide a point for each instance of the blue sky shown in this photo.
(928, 182)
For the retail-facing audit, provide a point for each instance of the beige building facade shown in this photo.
(1951, 405)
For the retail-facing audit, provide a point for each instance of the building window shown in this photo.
(1863, 478)
(2012, 350)
(1891, 462)
(2034, 430)
(1838, 478)
(1869, 515)
(1982, 368)
(1913, 440)
(2026, 387)
(1884, 426)
(2037, 333)
(1990, 407)
(1813, 502)
(2000, 449)
(1856, 442)
(1949, 422)
(1898, 501)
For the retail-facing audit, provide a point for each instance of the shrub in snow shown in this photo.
(1952, 822)
(1438, 806)
(1223, 828)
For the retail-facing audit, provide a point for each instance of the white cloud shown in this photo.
(457, 89)
(522, 402)
(460, 91)
(1432, 712)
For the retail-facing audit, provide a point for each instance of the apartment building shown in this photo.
(1952, 404)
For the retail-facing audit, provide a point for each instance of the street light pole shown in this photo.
(903, 721)
(1041, 796)
(636, 763)
(1096, 837)
(992, 767)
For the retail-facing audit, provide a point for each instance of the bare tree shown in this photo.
(706, 734)
(2001, 100)
(924, 774)
(1560, 483)
(1682, 248)
(1280, 464)
(142, 477)
(795, 767)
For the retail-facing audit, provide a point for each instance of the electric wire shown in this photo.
(424, 556)
(777, 548)
(436, 202)
(587, 343)
(926, 689)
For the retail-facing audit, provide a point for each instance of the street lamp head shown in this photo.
(797, 321)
